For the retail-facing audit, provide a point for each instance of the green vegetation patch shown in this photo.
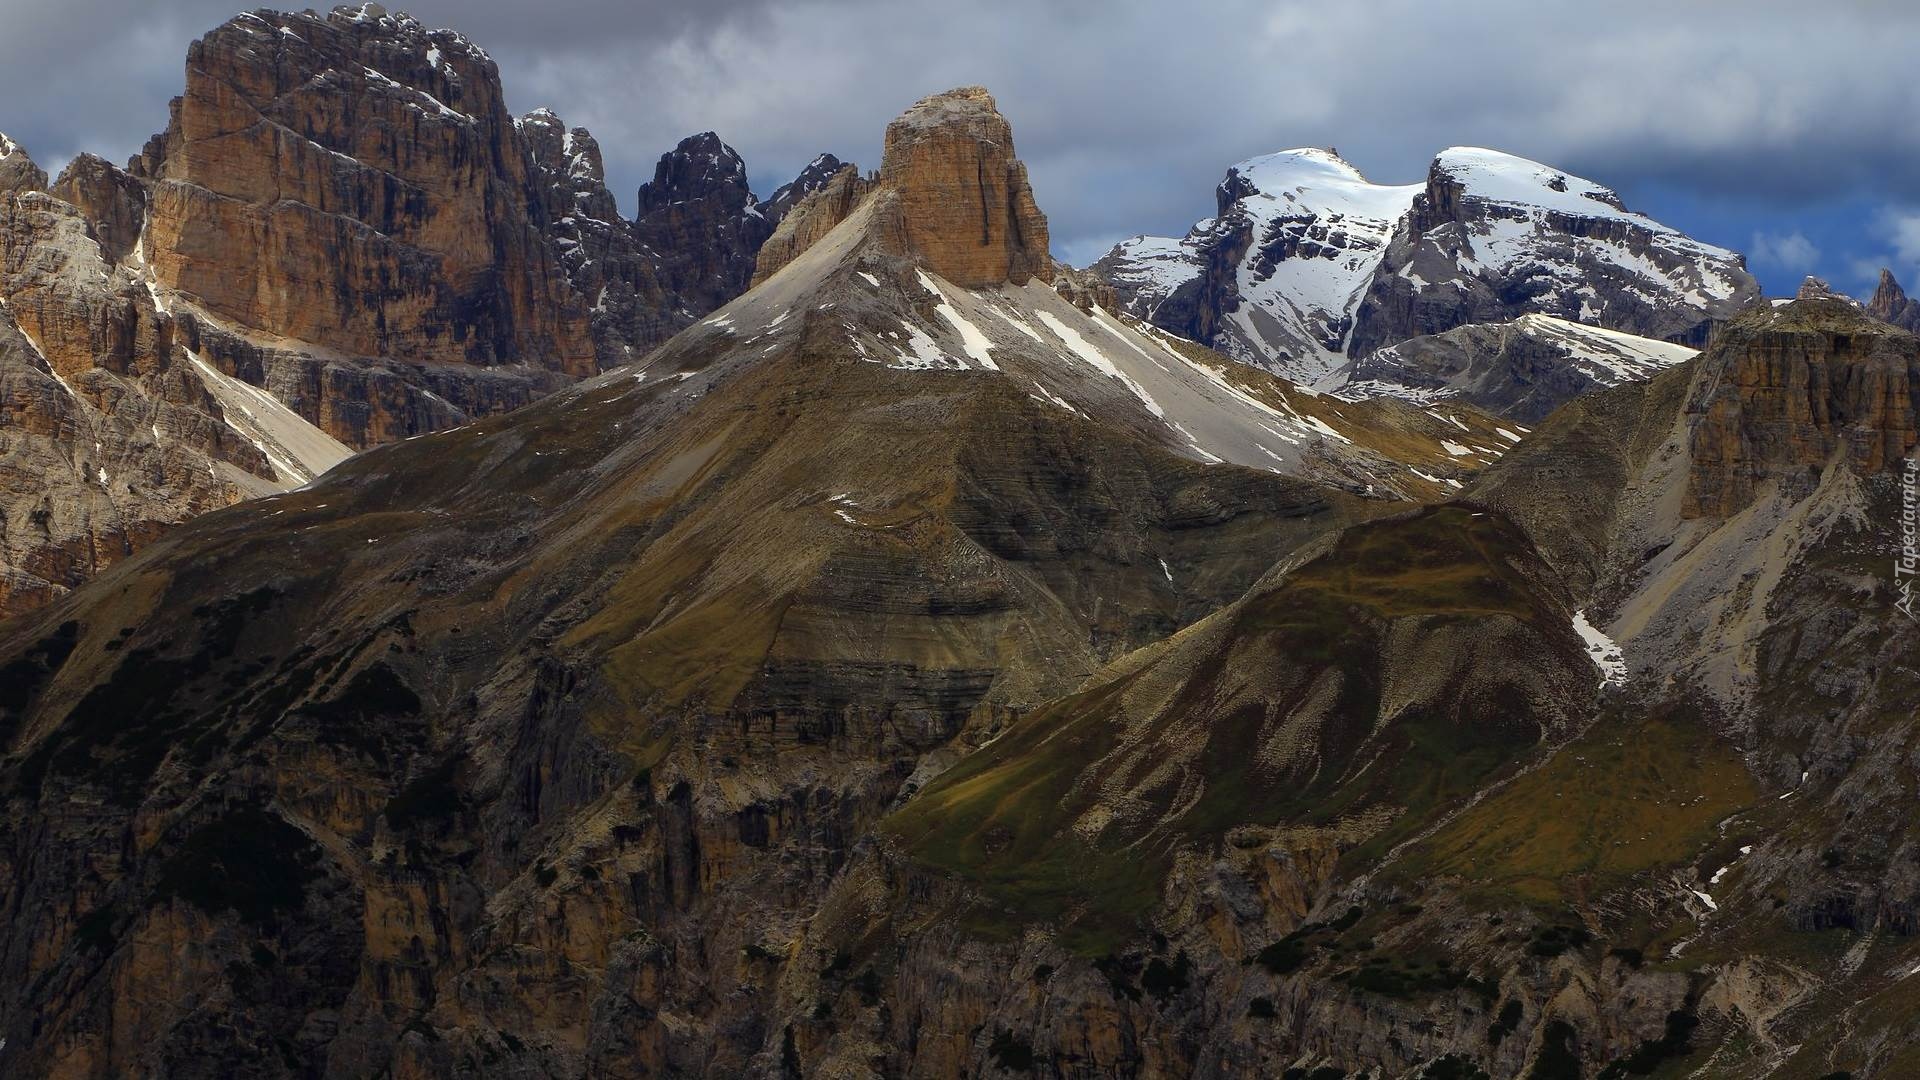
(1623, 799)
(118, 734)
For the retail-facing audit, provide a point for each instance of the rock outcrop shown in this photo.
(17, 170)
(1522, 370)
(811, 219)
(812, 178)
(692, 248)
(702, 225)
(631, 309)
(1787, 392)
(368, 145)
(1891, 304)
(113, 201)
(966, 208)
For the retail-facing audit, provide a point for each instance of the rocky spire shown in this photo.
(966, 208)
(17, 170)
(1890, 303)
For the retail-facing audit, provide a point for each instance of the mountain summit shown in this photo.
(1308, 265)
(965, 206)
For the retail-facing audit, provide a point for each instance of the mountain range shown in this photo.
(1435, 631)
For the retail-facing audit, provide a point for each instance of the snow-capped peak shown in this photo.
(1317, 228)
(1317, 275)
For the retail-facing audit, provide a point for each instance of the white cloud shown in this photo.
(1902, 229)
(1787, 251)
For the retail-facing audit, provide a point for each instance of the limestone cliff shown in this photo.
(353, 181)
(1786, 392)
(966, 209)
(811, 219)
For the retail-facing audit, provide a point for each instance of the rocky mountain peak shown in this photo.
(17, 170)
(365, 142)
(701, 167)
(114, 202)
(1308, 266)
(1890, 303)
(967, 210)
(811, 179)
(1888, 296)
(701, 223)
(571, 153)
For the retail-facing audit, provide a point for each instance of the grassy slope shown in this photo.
(1003, 818)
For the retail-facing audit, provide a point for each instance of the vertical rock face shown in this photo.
(701, 224)
(1785, 392)
(630, 309)
(1891, 304)
(354, 181)
(966, 208)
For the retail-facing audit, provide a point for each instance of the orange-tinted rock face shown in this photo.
(1783, 393)
(354, 181)
(967, 209)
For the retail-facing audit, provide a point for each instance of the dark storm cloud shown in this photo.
(1745, 121)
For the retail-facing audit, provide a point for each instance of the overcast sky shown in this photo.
(1784, 130)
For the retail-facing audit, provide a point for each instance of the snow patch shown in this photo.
(1604, 651)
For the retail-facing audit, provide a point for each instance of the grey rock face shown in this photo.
(1522, 369)
(17, 170)
(702, 224)
(691, 248)
(811, 179)
(630, 310)
(1492, 237)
